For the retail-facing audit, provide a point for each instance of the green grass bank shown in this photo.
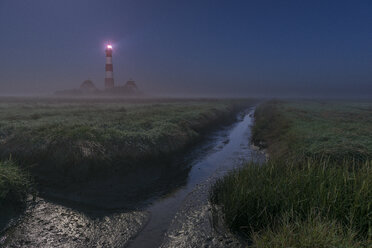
(335, 130)
(14, 184)
(318, 178)
(78, 138)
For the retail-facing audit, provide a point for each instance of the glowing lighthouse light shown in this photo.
(109, 46)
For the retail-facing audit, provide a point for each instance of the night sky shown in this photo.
(210, 48)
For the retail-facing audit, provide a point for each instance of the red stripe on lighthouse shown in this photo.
(109, 78)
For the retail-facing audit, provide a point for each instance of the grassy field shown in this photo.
(75, 139)
(336, 130)
(318, 179)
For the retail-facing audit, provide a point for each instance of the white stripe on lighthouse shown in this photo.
(109, 75)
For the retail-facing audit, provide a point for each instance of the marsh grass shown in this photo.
(314, 232)
(82, 138)
(318, 178)
(335, 130)
(14, 183)
(258, 196)
(271, 130)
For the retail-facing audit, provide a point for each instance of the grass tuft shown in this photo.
(313, 232)
(14, 183)
(257, 196)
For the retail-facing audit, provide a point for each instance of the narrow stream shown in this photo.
(49, 223)
(232, 147)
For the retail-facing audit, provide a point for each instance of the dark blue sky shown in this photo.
(189, 47)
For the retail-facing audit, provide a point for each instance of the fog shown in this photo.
(189, 48)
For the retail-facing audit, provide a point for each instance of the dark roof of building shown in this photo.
(87, 84)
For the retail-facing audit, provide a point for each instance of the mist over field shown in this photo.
(193, 48)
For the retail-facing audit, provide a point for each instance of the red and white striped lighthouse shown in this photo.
(109, 77)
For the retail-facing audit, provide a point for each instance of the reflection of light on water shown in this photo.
(224, 156)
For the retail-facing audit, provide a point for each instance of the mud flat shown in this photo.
(199, 224)
(47, 224)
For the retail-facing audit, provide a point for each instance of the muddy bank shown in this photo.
(46, 224)
(199, 224)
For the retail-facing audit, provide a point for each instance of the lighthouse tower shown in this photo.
(109, 77)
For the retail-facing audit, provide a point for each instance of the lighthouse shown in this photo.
(109, 77)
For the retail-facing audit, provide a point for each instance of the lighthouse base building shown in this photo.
(87, 88)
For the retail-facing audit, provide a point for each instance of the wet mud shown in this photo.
(46, 224)
(198, 223)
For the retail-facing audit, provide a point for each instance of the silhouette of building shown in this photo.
(88, 87)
